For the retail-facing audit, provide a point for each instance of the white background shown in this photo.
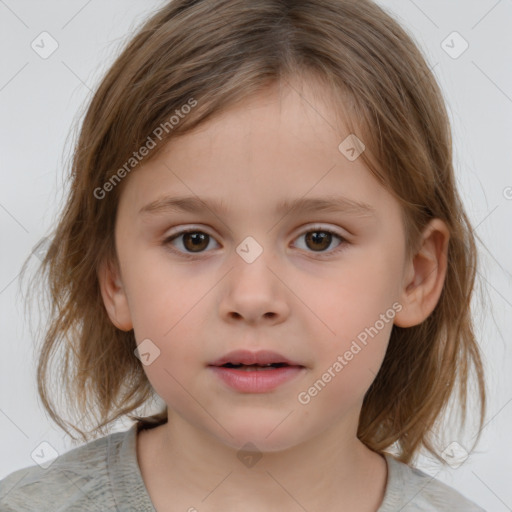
(41, 99)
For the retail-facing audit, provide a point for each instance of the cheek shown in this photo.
(162, 293)
(173, 326)
(345, 369)
(166, 309)
(354, 295)
(356, 310)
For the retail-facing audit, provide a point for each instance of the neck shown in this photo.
(333, 470)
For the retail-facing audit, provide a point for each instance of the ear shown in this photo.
(424, 276)
(114, 295)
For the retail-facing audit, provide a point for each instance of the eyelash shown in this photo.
(188, 255)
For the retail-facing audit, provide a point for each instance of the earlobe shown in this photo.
(425, 276)
(114, 295)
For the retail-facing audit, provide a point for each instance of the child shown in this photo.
(228, 139)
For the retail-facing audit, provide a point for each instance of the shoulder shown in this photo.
(411, 490)
(73, 481)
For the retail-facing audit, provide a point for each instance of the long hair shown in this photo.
(192, 60)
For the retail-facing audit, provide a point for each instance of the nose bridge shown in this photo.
(255, 258)
(250, 250)
(254, 290)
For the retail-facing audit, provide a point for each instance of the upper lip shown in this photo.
(247, 357)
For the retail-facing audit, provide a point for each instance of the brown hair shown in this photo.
(217, 53)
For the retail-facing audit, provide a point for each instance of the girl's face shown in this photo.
(260, 276)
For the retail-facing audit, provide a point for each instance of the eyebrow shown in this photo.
(193, 204)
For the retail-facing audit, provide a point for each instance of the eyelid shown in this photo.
(178, 230)
(321, 227)
(299, 231)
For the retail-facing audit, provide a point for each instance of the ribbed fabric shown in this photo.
(104, 476)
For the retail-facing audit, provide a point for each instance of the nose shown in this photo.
(255, 292)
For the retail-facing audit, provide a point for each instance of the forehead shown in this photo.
(284, 144)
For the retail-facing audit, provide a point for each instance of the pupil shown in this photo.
(319, 236)
(196, 239)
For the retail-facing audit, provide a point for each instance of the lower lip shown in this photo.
(256, 381)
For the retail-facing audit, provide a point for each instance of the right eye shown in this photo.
(193, 239)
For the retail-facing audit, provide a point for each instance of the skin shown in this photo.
(278, 145)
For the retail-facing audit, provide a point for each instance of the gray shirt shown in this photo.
(104, 476)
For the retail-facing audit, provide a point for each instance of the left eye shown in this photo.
(197, 241)
(321, 239)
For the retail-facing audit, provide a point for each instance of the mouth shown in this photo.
(256, 372)
(256, 367)
(263, 360)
